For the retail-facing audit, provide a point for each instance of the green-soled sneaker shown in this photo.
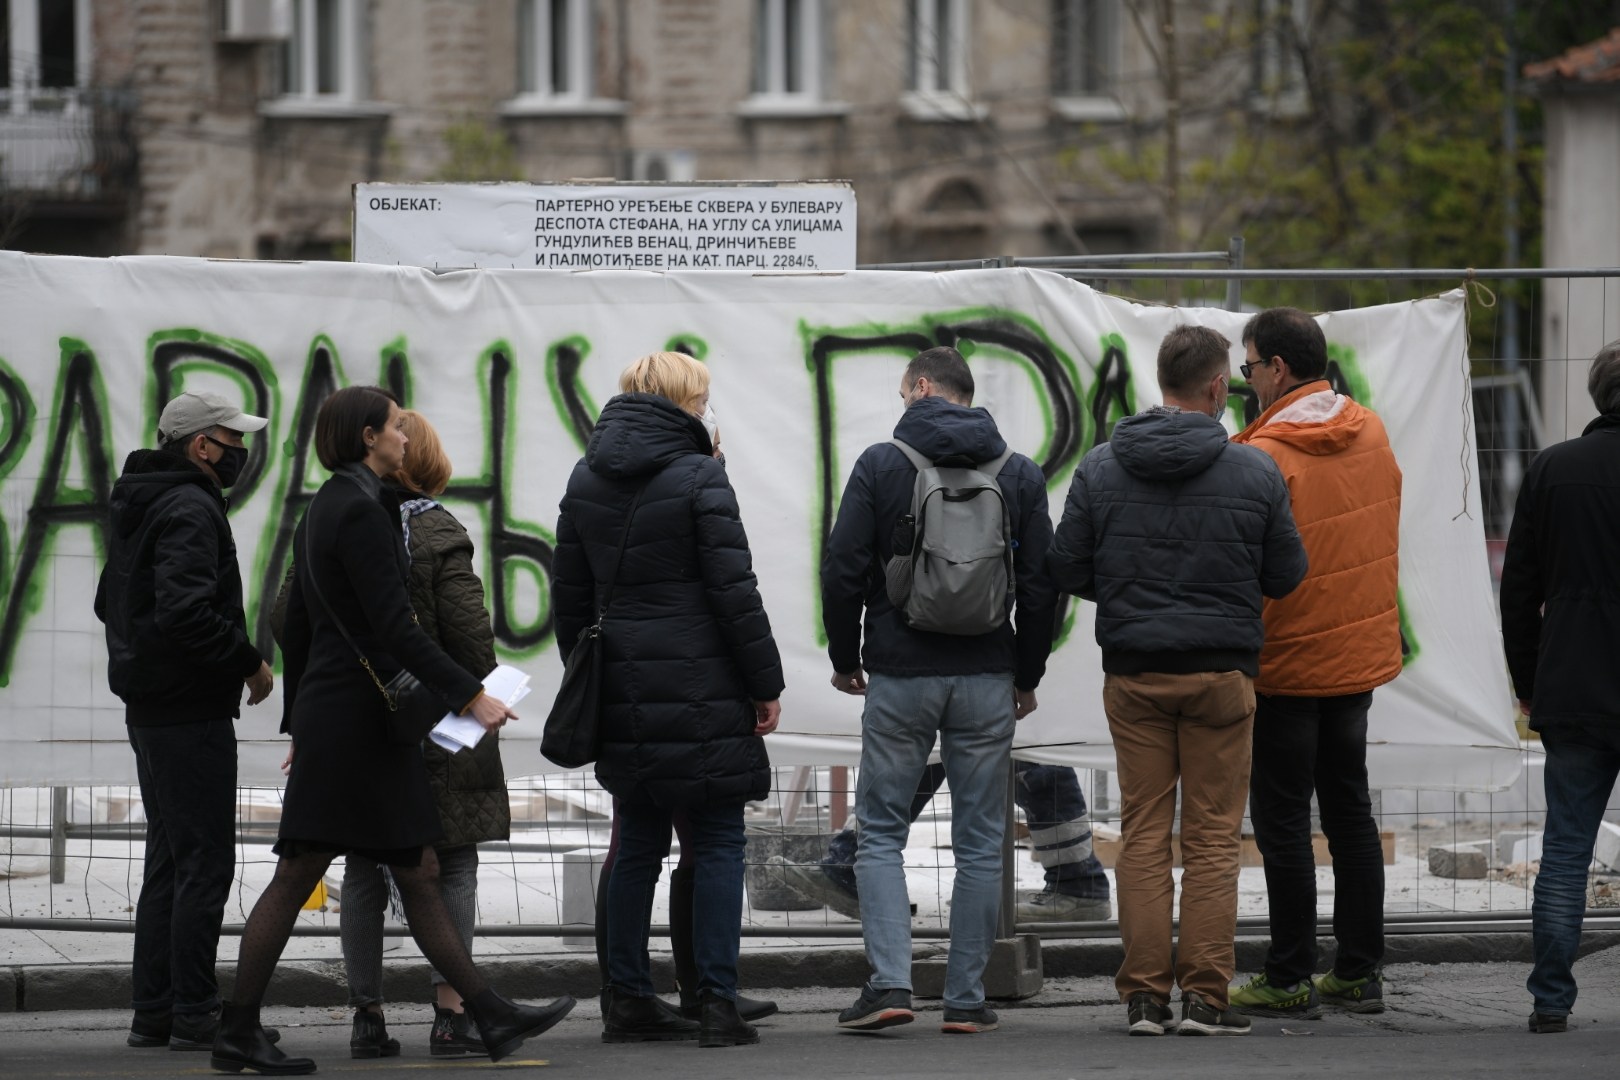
(1357, 995)
(1257, 997)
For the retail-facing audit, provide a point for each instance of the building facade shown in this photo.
(234, 128)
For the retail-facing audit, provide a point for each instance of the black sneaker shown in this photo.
(369, 1037)
(878, 1009)
(1549, 1023)
(150, 1028)
(196, 1031)
(454, 1034)
(968, 1021)
(1147, 1015)
(1199, 1017)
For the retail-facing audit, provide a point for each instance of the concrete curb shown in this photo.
(46, 988)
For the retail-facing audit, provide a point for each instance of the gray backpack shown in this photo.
(951, 571)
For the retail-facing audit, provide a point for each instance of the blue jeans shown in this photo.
(972, 715)
(1055, 808)
(1582, 763)
(717, 836)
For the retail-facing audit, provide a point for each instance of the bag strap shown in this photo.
(990, 468)
(309, 575)
(912, 455)
(624, 538)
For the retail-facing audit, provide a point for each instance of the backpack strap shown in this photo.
(912, 455)
(993, 467)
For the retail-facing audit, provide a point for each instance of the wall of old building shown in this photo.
(231, 169)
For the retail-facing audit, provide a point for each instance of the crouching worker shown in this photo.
(1177, 534)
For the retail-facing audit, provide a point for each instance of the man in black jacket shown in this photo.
(1176, 534)
(178, 654)
(1561, 629)
(968, 690)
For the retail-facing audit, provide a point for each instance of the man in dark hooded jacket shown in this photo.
(178, 655)
(968, 689)
(1176, 534)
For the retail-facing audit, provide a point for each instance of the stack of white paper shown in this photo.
(455, 733)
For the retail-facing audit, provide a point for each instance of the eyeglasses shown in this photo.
(1248, 369)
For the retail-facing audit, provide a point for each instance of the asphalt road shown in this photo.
(1447, 1020)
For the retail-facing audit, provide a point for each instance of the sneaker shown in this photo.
(1147, 1015)
(1199, 1017)
(196, 1031)
(878, 1009)
(1049, 906)
(454, 1034)
(1358, 995)
(815, 884)
(150, 1028)
(1258, 997)
(968, 1021)
(1549, 1023)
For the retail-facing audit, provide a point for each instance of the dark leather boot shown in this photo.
(369, 1039)
(681, 883)
(503, 1024)
(454, 1034)
(721, 1026)
(629, 1019)
(242, 1044)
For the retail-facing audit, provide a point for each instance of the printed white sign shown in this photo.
(761, 227)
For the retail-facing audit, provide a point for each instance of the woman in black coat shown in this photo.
(349, 788)
(691, 678)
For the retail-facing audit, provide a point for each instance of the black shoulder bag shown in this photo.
(573, 734)
(413, 709)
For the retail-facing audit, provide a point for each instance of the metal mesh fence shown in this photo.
(71, 857)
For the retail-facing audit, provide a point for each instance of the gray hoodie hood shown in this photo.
(1168, 445)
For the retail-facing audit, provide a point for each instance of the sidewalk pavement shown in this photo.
(1444, 1020)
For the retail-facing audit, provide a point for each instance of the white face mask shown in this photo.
(1226, 390)
(710, 423)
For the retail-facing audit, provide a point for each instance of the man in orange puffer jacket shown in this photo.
(1328, 644)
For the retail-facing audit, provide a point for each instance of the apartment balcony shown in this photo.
(67, 148)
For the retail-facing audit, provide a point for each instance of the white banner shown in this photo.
(512, 366)
(793, 228)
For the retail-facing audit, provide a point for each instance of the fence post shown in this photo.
(59, 812)
(1234, 287)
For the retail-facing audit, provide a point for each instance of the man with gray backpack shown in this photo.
(942, 532)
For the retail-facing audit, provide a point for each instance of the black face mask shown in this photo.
(229, 467)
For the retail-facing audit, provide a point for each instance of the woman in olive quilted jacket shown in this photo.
(469, 787)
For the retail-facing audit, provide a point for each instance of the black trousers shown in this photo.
(1301, 744)
(188, 788)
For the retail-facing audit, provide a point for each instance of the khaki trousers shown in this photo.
(1195, 729)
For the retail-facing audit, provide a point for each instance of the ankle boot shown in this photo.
(637, 1019)
(503, 1024)
(454, 1034)
(242, 1044)
(681, 883)
(369, 1037)
(721, 1026)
